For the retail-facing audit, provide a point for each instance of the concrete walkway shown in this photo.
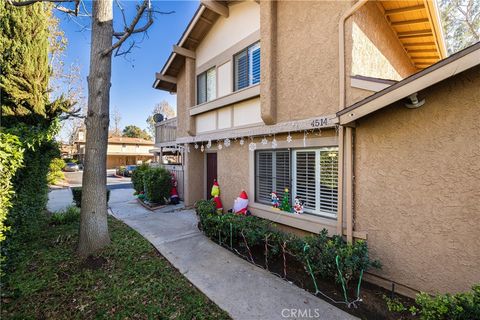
(245, 291)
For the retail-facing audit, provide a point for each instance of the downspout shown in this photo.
(348, 135)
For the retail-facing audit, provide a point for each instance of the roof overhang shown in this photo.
(456, 63)
(418, 28)
(202, 21)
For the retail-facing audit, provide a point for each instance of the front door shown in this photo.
(211, 172)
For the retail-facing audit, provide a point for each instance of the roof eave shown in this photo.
(444, 69)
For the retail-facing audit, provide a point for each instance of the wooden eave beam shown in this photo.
(418, 44)
(183, 52)
(426, 57)
(409, 22)
(421, 33)
(422, 50)
(216, 7)
(202, 18)
(162, 77)
(404, 10)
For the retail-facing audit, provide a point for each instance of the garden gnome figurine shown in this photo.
(174, 199)
(298, 206)
(241, 203)
(216, 196)
(275, 200)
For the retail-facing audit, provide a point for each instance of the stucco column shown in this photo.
(190, 93)
(268, 58)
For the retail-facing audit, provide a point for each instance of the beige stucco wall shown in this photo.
(372, 49)
(417, 187)
(307, 58)
(243, 19)
(182, 113)
(194, 176)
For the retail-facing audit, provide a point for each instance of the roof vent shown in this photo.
(413, 102)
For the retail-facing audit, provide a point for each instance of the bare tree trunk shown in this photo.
(93, 226)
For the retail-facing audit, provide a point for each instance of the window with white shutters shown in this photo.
(272, 173)
(207, 86)
(247, 67)
(315, 180)
(314, 177)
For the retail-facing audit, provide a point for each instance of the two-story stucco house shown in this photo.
(346, 104)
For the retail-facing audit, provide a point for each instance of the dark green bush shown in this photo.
(158, 184)
(77, 196)
(70, 214)
(460, 306)
(137, 178)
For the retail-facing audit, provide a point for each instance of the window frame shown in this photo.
(249, 74)
(293, 177)
(273, 152)
(197, 83)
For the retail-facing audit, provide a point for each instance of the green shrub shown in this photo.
(460, 306)
(77, 196)
(55, 172)
(137, 178)
(69, 215)
(11, 159)
(120, 170)
(158, 184)
(318, 252)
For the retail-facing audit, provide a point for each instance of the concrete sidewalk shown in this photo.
(245, 291)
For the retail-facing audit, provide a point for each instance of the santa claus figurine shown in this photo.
(298, 206)
(216, 196)
(275, 200)
(240, 204)
(174, 199)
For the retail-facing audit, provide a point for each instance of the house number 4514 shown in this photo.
(319, 122)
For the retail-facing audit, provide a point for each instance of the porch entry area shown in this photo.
(211, 164)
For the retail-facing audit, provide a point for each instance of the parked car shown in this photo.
(71, 167)
(129, 170)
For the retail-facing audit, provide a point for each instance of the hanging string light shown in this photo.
(264, 140)
(242, 142)
(252, 146)
(220, 147)
(274, 142)
(209, 144)
(202, 148)
(196, 145)
(289, 138)
(226, 142)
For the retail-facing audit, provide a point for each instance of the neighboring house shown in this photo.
(287, 94)
(121, 151)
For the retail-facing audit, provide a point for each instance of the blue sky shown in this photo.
(133, 75)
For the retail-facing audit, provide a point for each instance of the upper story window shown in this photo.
(247, 67)
(207, 86)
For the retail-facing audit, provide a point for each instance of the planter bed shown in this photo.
(372, 306)
(151, 206)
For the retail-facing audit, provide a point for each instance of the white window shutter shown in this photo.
(328, 193)
(241, 70)
(211, 84)
(305, 177)
(254, 63)
(264, 177)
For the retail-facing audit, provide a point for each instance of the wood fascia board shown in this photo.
(162, 77)
(434, 18)
(449, 69)
(216, 7)
(183, 52)
(328, 121)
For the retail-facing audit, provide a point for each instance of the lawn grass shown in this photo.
(127, 280)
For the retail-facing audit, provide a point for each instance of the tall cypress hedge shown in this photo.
(29, 119)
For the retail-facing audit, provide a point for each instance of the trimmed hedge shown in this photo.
(77, 196)
(158, 184)
(137, 178)
(317, 253)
